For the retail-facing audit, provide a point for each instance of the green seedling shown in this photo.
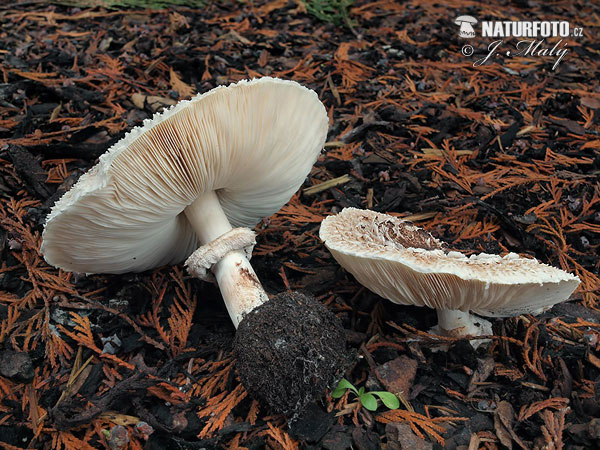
(366, 399)
(332, 11)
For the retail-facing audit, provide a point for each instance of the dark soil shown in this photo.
(290, 351)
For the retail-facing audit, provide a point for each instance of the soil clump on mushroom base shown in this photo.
(289, 351)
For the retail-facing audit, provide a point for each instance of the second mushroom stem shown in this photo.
(239, 285)
(459, 323)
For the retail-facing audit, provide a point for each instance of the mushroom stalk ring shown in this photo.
(239, 285)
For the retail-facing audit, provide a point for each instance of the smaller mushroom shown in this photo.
(407, 265)
(466, 26)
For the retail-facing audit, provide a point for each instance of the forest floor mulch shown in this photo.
(496, 158)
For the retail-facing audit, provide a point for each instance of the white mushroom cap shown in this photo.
(468, 19)
(253, 143)
(407, 265)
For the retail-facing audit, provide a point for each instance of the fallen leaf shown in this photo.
(485, 368)
(502, 421)
(570, 125)
(151, 102)
(184, 89)
(590, 102)
(504, 417)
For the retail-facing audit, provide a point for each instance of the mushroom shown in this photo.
(407, 265)
(189, 184)
(466, 26)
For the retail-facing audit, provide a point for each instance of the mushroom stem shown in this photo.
(457, 323)
(239, 285)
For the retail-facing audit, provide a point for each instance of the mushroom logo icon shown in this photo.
(466, 26)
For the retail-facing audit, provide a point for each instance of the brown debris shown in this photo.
(152, 103)
(401, 437)
(16, 365)
(503, 422)
(398, 374)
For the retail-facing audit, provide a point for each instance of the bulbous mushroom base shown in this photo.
(289, 351)
(455, 323)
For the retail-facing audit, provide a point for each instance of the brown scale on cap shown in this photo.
(371, 229)
(406, 235)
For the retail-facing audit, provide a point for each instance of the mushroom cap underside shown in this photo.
(387, 255)
(252, 142)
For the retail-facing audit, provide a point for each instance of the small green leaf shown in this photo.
(337, 392)
(361, 391)
(341, 388)
(369, 401)
(388, 399)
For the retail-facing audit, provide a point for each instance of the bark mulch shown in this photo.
(497, 158)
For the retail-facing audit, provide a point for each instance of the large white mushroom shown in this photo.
(190, 183)
(407, 265)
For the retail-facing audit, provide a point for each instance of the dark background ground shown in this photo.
(504, 157)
